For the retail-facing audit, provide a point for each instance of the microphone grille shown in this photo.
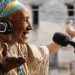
(61, 39)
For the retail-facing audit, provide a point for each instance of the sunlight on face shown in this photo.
(21, 26)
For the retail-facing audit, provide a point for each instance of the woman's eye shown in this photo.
(24, 20)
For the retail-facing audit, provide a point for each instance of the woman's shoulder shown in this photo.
(42, 50)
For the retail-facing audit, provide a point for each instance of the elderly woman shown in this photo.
(15, 36)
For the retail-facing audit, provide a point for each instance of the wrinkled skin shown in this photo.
(20, 30)
(21, 26)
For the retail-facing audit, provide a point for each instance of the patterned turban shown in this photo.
(8, 7)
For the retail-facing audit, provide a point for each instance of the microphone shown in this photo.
(62, 39)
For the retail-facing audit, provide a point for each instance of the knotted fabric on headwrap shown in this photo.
(8, 7)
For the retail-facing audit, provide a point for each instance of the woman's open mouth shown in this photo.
(25, 34)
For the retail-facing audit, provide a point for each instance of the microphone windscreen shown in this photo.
(61, 39)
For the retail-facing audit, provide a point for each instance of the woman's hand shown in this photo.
(8, 62)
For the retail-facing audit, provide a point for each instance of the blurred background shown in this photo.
(48, 17)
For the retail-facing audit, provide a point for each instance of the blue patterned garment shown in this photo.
(20, 71)
(8, 7)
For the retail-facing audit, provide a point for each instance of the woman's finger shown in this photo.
(5, 49)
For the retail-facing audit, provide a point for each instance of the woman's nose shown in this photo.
(29, 27)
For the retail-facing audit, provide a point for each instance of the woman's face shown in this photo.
(21, 26)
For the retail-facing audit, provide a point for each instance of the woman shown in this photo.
(37, 57)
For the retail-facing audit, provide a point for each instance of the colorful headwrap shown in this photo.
(8, 7)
